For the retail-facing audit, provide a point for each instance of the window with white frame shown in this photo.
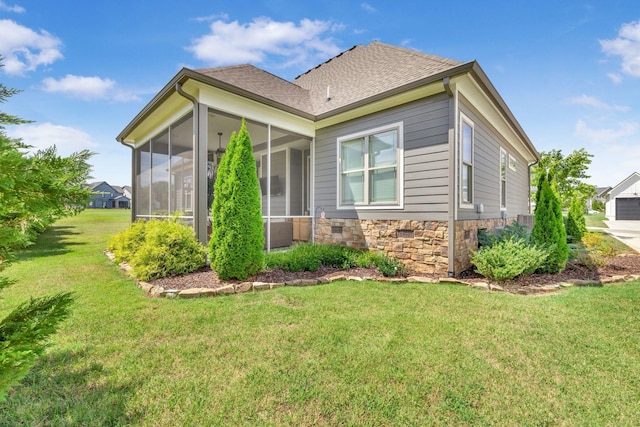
(503, 179)
(369, 166)
(466, 161)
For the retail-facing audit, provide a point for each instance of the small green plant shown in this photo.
(390, 266)
(508, 259)
(490, 238)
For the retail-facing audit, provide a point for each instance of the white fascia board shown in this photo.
(469, 88)
(165, 114)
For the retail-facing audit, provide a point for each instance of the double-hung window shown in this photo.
(369, 168)
(466, 161)
(503, 179)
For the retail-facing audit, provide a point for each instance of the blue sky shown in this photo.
(569, 71)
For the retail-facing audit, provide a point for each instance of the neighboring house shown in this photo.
(108, 196)
(623, 200)
(380, 147)
(600, 196)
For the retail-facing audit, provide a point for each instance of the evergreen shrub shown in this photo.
(576, 224)
(238, 242)
(548, 231)
(508, 259)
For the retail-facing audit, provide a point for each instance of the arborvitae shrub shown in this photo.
(238, 243)
(576, 225)
(548, 230)
(221, 198)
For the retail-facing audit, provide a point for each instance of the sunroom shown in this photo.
(177, 147)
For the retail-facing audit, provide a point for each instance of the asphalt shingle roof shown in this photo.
(352, 76)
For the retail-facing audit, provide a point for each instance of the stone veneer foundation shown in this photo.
(421, 245)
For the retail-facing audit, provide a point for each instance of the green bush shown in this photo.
(310, 256)
(390, 266)
(238, 241)
(127, 242)
(508, 259)
(169, 249)
(548, 230)
(514, 230)
(158, 248)
(576, 224)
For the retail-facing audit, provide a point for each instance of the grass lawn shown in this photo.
(352, 353)
(596, 220)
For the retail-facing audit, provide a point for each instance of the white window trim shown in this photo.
(461, 203)
(399, 165)
(513, 162)
(503, 203)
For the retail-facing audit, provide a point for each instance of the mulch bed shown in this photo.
(619, 266)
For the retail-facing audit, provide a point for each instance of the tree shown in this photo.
(35, 190)
(240, 239)
(548, 230)
(568, 172)
(220, 191)
(576, 224)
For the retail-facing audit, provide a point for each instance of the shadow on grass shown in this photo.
(56, 393)
(54, 241)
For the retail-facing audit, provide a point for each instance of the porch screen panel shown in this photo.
(160, 174)
(181, 182)
(143, 180)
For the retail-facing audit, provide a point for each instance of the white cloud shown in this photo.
(367, 7)
(15, 8)
(209, 18)
(627, 46)
(233, 43)
(615, 78)
(24, 49)
(591, 101)
(66, 139)
(605, 135)
(87, 88)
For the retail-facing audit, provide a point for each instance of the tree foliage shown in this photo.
(568, 172)
(35, 190)
(238, 243)
(548, 230)
(576, 224)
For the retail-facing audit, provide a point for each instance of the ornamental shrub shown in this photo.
(169, 248)
(576, 224)
(548, 230)
(127, 242)
(239, 240)
(220, 198)
(508, 259)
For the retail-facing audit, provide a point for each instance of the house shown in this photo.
(623, 200)
(108, 196)
(380, 147)
(600, 196)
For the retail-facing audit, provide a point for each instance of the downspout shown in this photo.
(199, 222)
(133, 177)
(452, 215)
(529, 166)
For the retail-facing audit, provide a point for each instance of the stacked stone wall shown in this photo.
(421, 245)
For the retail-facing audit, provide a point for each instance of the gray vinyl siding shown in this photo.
(425, 126)
(486, 171)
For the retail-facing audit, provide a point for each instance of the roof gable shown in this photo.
(366, 71)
